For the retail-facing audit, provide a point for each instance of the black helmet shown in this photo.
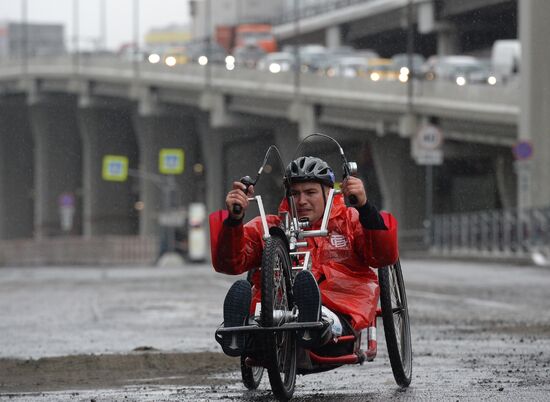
(310, 168)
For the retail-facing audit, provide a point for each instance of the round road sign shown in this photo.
(522, 150)
(429, 137)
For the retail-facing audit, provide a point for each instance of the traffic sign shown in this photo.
(66, 200)
(115, 168)
(171, 161)
(427, 146)
(429, 137)
(522, 150)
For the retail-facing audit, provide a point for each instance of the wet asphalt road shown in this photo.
(479, 332)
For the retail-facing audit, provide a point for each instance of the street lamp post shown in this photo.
(103, 23)
(135, 24)
(208, 31)
(410, 52)
(297, 62)
(76, 33)
(24, 52)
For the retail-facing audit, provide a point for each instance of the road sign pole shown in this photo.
(429, 206)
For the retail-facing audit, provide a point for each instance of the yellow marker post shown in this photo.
(171, 161)
(115, 168)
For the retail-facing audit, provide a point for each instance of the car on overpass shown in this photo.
(401, 64)
(277, 62)
(248, 56)
(381, 69)
(460, 69)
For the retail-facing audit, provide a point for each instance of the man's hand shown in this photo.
(354, 186)
(237, 196)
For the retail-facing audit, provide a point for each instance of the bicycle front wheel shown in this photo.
(280, 347)
(251, 376)
(395, 316)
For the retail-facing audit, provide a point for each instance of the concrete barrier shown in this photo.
(105, 250)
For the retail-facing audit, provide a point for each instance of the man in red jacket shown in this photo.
(341, 286)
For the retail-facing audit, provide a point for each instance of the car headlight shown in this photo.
(230, 66)
(492, 80)
(153, 58)
(375, 76)
(203, 60)
(229, 59)
(403, 77)
(404, 71)
(170, 61)
(275, 68)
(460, 81)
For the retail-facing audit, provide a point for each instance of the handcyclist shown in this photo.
(341, 288)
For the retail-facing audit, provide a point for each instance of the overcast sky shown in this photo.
(153, 13)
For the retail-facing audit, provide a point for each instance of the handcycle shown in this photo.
(272, 329)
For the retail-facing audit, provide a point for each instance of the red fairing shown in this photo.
(216, 221)
(384, 243)
(342, 261)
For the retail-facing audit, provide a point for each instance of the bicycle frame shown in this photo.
(290, 240)
(296, 231)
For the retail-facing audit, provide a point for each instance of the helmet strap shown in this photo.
(324, 196)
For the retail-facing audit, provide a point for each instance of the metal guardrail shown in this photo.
(311, 10)
(498, 233)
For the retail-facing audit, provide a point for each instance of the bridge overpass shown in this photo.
(103, 106)
(59, 117)
(441, 26)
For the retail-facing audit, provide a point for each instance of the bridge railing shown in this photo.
(94, 66)
(498, 233)
(114, 76)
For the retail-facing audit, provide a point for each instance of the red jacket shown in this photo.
(342, 261)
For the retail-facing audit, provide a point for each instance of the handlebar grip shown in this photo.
(247, 181)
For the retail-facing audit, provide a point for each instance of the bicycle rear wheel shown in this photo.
(280, 347)
(395, 316)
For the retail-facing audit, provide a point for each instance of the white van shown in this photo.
(506, 57)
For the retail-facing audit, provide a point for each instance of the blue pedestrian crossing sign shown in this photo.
(115, 168)
(171, 161)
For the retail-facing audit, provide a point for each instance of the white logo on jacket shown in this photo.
(337, 240)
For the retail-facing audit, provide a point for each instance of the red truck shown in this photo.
(231, 37)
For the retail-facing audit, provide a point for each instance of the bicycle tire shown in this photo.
(251, 376)
(280, 347)
(395, 317)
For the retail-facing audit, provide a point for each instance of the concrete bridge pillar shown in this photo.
(401, 181)
(286, 139)
(211, 143)
(333, 36)
(167, 131)
(109, 207)
(244, 153)
(534, 120)
(448, 42)
(506, 179)
(232, 146)
(16, 169)
(57, 161)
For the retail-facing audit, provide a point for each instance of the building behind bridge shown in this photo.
(31, 40)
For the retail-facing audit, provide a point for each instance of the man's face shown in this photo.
(309, 199)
